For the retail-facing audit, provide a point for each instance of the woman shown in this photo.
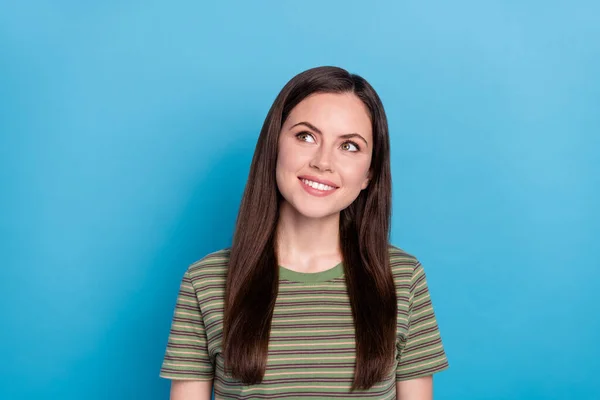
(311, 301)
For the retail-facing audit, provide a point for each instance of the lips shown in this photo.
(318, 180)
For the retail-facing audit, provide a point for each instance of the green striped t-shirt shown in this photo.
(311, 347)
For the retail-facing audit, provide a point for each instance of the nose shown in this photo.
(322, 160)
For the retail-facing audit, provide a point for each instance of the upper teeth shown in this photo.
(316, 185)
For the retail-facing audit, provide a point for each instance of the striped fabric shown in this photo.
(311, 348)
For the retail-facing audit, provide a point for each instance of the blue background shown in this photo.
(127, 130)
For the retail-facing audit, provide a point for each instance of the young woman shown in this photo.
(311, 300)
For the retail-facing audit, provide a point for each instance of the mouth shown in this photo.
(320, 185)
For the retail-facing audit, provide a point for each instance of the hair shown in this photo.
(253, 274)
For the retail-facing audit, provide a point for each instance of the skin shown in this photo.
(315, 140)
(415, 389)
(311, 143)
(191, 390)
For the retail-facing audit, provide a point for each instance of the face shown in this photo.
(325, 149)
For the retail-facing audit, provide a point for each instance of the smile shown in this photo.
(317, 185)
(316, 188)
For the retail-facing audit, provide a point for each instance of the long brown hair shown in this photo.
(253, 277)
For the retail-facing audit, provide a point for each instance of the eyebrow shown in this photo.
(345, 136)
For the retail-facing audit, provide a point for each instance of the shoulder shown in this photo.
(400, 261)
(212, 266)
(404, 266)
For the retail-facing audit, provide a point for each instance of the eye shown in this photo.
(305, 137)
(350, 146)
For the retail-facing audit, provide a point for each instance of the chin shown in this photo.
(313, 212)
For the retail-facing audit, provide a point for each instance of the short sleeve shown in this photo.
(422, 352)
(186, 356)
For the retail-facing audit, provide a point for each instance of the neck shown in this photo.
(307, 244)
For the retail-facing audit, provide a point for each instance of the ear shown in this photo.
(366, 181)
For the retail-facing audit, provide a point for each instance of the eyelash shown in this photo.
(347, 141)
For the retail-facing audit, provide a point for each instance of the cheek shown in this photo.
(291, 158)
(283, 161)
(287, 163)
(355, 175)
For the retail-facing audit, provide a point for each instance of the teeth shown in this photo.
(318, 186)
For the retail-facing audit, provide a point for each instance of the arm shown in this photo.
(187, 362)
(191, 390)
(415, 389)
(421, 353)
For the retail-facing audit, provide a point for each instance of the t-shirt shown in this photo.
(311, 350)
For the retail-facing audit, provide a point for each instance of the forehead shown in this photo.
(332, 112)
